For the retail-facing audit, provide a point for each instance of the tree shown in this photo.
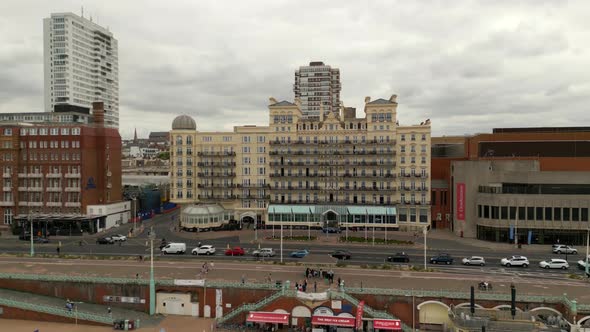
(164, 155)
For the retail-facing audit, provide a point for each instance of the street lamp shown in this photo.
(425, 232)
(30, 217)
(134, 214)
(75, 304)
(587, 246)
(152, 237)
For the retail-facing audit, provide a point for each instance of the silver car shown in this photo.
(264, 252)
(474, 260)
(563, 249)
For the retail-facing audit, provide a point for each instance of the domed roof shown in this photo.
(184, 122)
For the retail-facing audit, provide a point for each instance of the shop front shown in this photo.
(268, 320)
(387, 325)
(333, 323)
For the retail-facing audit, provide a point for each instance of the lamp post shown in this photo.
(587, 246)
(76, 311)
(425, 232)
(281, 241)
(134, 214)
(31, 233)
(152, 282)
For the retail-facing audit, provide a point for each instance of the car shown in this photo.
(582, 263)
(264, 252)
(104, 240)
(554, 263)
(341, 254)
(299, 253)
(400, 257)
(563, 249)
(119, 237)
(40, 239)
(442, 258)
(235, 251)
(515, 261)
(174, 248)
(474, 260)
(332, 230)
(206, 249)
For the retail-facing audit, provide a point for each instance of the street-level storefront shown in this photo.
(333, 323)
(267, 320)
(387, 325)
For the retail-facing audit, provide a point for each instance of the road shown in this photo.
(163, 226)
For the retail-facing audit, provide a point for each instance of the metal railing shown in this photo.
(57, 311)
(250, 307)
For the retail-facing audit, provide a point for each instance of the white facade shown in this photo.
(80, 65)
(318, 87)
(115, 214)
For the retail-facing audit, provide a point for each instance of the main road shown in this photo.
(163, 226)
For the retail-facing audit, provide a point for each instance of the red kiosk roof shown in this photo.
(268, 317)
(387, 324)
(333, 321)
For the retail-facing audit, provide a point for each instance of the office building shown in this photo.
(63, 176)
(80, 66)
(336, 170)
(318, 87)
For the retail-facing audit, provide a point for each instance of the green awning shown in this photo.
(391, 211)
(301, 209)
(357, 210)
(376, 210)
(279, 208)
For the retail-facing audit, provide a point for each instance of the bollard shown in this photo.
(126, 325)
(137, 323)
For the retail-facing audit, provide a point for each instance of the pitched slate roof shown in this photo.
(283, 103)
(380, 101)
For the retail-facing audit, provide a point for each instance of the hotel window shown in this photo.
(23, 131)
(403, 137)
(65, 131)
(75, 131)
(413, 137)
(413, 160)
(8, 132)
(423, 137)
(54, 131)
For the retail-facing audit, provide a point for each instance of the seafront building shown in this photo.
(338, 170)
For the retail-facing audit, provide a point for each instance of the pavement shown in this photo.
(168, 324)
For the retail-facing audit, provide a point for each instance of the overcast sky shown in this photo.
(469, 66)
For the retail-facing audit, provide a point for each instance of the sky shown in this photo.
(469, 66)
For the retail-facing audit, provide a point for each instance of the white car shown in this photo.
(474, 260)
(582, 263)
(264, 252)
(119, 237)
(204, 250)
(563, 249)
(515, 261)
(554, 263)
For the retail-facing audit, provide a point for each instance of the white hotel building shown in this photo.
(80, 66)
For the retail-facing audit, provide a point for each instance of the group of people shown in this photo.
(484, 285)
(302, 286)
(69, 305)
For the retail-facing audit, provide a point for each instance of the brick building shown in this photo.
(65, 176)
(516, 161)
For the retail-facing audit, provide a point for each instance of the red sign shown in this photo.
(359, 315)
(460, 201)
(387, 324)
(333, 321)
(268, 317)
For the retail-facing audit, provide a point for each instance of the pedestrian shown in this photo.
(243, 279)
(137, 276)
(339, 280)
(315, 286)
(304, 288)
(297, 285)
(58, 250)
(269, 278)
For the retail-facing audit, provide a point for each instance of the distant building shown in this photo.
(65, 176)
(159, 138)
(318, 87)
(81, 66)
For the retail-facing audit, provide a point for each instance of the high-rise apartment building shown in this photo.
(336, 171)
(81, 66)
(318, 87)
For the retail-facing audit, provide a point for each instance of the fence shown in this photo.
(57, 311)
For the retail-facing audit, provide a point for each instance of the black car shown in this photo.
(341, 254)
(332, 230)
(442, 259)
(400, 257)
(105, 240)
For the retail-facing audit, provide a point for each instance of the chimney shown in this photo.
(367, 100)
(98, 113)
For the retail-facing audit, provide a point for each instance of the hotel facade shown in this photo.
(335, 171)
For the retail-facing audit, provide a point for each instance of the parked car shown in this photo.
(341, 254)
(400, 257)
(119, 237)
(206, 249)
(235, 251)
(40, 239)
(515, 261)
(264, 252)
(442, 258)
(174, 248)
(554, 263)
(474, 260)
(104, 240)
(299, 253)
(332, 230)
(563, 249)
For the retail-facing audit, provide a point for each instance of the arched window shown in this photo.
(178, 140)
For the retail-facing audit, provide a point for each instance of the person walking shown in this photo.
(243, 279)
(315, 286)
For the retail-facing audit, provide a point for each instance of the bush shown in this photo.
(340, 264)
(294, 238)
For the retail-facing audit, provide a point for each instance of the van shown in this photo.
(174, 248)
